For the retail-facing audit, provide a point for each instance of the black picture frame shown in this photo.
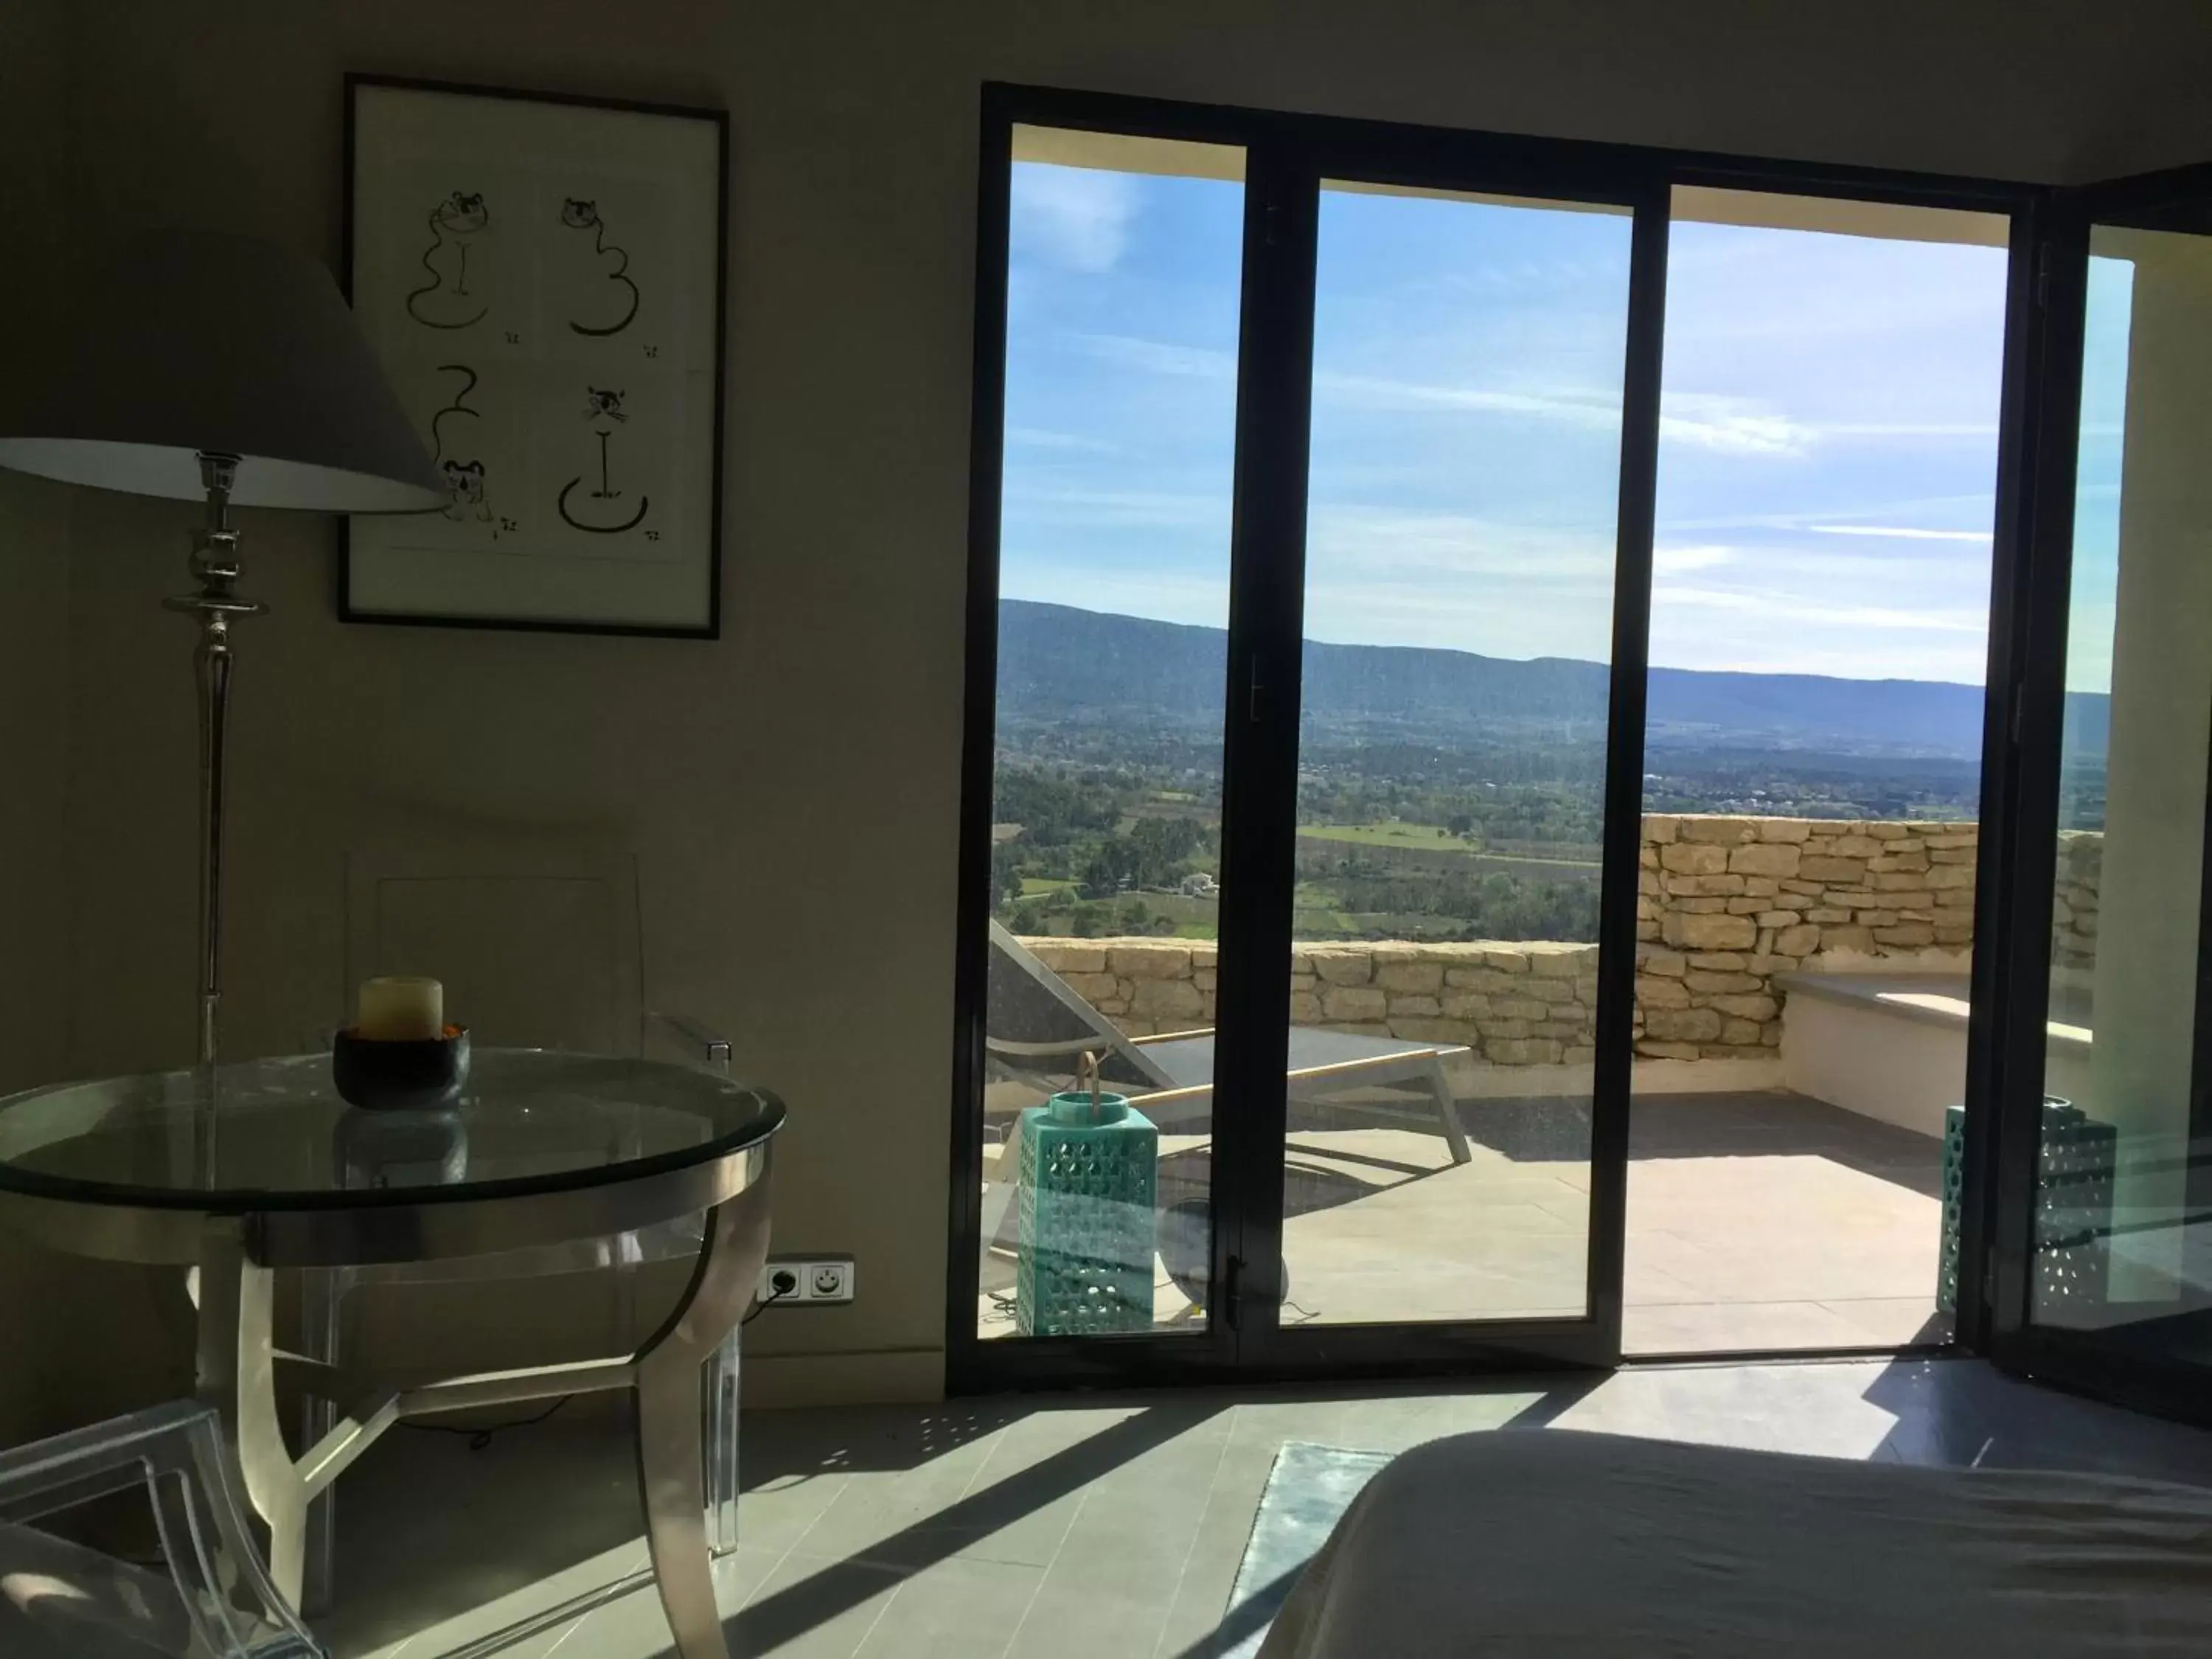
(709, 627)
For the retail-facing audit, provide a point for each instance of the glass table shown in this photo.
(260, 1166)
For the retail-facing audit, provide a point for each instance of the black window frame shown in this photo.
(1286, 153)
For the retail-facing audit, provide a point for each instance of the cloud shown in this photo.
(1698, 420)
(1981, 505)
(1667, 561)
(1034, 437)
(1120, 508)
(1730, 425)
(1840, 616)
(1384, 575)
(1599, 411)
(1705, 421)
(1900, 533)
(1074, 217)
(1346, 540)
(1906, 429)
(1160, 356)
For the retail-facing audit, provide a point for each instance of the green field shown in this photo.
(1428, 838)
(1188, 918)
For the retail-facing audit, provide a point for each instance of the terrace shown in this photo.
(1800, 1028)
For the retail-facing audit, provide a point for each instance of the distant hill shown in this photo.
(1057, 661)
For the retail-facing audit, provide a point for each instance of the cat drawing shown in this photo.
(465, 479)
(577, 213)
(464, 489)
(603, 412)
(444, 302)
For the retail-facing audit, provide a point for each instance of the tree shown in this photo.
(1006, 874)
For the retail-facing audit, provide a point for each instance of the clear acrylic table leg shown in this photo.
(718, 1399)
(322, 1301)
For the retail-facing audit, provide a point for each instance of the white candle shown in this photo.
(400, 1008)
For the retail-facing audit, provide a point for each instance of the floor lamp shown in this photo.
(229, 369)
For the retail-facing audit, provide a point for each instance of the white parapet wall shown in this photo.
(1893, 1046)
(1884, 1047)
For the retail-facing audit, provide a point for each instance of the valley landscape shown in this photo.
(1441, 794)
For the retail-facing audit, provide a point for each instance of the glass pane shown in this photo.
(1122, 297)
(1468, 363)
(1827, 475)
(2123, 1239)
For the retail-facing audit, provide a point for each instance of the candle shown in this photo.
(401, 1008)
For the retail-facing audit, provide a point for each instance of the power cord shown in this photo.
(762, 1306)
(479, 1436)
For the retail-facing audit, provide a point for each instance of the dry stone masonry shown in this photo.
(2074, 904)
(1725, 904)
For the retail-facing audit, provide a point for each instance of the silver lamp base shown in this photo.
(215, 567)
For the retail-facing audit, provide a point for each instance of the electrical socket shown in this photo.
(816, 1279)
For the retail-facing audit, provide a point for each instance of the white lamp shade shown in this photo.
(197, 341)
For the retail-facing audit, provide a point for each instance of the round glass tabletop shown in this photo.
(278, 1137)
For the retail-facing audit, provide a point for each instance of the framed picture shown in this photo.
(543, 278)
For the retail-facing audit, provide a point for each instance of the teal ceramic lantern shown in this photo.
(1088, 1185)
(2074, 1175)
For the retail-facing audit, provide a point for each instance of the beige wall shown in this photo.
(121, 1357)
(792, 788)
(34, 656)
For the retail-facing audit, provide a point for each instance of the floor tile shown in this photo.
(957, 1609)
(1209, 1568)
(1095, 1527)
(811, 1607)
(1083, 1617)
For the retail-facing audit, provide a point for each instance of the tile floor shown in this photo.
(1076, 1526)
(1755, 1222)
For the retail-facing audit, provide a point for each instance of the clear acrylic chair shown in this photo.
(59, 1598)
(539, 946)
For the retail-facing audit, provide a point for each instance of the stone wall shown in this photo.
(2074, 903)
(1725, 903)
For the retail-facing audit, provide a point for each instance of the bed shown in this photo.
(1575, 1546)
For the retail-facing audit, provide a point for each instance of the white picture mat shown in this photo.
(475, 309)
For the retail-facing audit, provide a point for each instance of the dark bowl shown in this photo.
(422, 1076)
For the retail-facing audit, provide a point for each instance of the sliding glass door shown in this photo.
(1311, 925)
(1313, 495)
(1463, 531)
(2111, 1224)
(1122, 267)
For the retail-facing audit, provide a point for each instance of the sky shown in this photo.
(1828, 443)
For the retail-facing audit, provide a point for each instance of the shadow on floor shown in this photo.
(1930, 1412)
(1971, 1415)
(786, 1614)
(1772, 1124)
(582, 1503)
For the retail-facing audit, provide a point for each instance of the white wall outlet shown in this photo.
(812, 1279)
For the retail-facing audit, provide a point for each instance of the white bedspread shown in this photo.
(1571, 1546)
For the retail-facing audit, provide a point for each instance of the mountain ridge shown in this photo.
(1058, 660)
